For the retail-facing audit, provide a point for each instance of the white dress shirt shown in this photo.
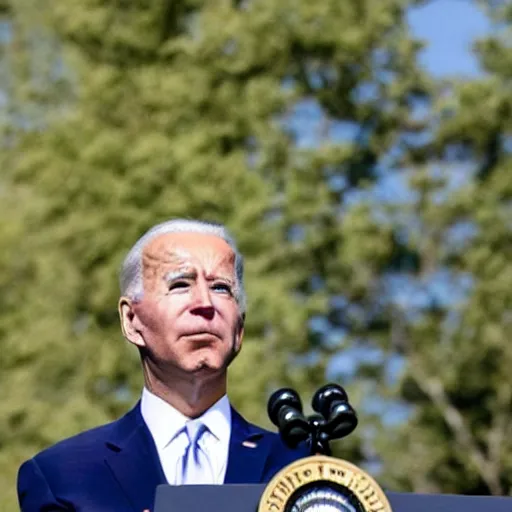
(166, 426)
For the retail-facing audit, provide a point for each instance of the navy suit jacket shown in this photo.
(116, 468)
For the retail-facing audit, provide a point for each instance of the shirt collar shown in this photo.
(165, 422)
(218, 420)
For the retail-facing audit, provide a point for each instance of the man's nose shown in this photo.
(203, 304)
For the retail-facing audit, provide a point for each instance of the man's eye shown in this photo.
(178, 284)
(221, 287)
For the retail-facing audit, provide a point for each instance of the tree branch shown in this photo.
(433, 388)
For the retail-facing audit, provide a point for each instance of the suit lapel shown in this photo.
(133, 459)
(249, 447)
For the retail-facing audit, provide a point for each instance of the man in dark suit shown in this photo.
(183, 306)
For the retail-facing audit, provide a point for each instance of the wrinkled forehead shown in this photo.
(199, 251)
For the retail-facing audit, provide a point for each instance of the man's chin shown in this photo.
(207, 366)
(208, 363)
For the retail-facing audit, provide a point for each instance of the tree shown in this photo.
(34, 84)
(32, 92)
(452, 332)
(200, 109)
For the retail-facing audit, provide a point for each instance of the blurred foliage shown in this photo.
(372, 204)
(453, 330)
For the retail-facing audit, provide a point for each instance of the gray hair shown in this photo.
(130, 277)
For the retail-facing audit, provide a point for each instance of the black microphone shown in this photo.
(331, 401)
(285, 411)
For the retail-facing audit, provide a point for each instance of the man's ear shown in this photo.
(130, 322)
(240, 333)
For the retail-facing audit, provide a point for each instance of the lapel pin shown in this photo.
(249, 444)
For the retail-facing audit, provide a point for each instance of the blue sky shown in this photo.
(449, 27)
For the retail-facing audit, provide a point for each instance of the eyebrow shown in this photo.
(192, 274)
(180, 274)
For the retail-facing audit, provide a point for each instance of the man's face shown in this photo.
(188, 319)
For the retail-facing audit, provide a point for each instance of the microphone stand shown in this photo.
(336, 418)
(319, 439)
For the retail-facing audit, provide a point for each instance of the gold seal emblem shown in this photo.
(323, 483)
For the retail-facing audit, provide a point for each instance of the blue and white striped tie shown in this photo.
(196, 467)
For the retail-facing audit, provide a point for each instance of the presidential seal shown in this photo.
(323, 484)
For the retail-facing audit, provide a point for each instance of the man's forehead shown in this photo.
(178, 248)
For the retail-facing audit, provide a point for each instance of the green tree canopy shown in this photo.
(291, 122)
(456, 346)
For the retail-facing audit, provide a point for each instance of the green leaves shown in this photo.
(371, 203)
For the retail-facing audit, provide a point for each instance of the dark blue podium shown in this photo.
(245, 498)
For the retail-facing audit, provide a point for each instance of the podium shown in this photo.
(319, 482)
(245, 498)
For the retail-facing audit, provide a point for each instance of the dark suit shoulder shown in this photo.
(89, 440)
(74, 474)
